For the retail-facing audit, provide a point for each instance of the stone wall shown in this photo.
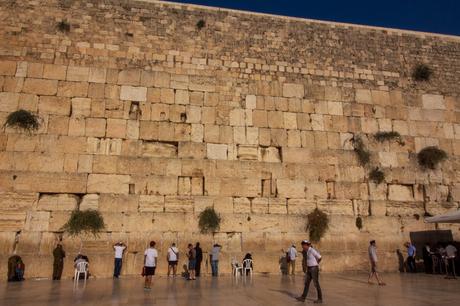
(150, 120)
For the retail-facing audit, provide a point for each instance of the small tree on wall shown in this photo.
(318, 223)
(209, 221)
(430, 157)
(83, 222)
(23, 120)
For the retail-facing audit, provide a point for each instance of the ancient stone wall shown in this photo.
(149, 119)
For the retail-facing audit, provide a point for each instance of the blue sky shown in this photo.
(438, 16)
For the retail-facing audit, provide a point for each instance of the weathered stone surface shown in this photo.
(58, 202)
(104, 183)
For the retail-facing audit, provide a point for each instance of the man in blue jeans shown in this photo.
(411, 252)
(215, 259)
(119, 250)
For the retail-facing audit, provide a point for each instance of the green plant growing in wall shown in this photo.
(388, 136)
(63, 26)
(359, 222)
(361, 152)
(430, 157)
(209, 221)
(317, 224)
(377, 175)
(422, 73)
(24, 120)
(200, 24)
(84, 222)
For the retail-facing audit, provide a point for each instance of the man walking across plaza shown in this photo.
(372, 251)
(150, 264)
(411, 252)
(119, 248)
(292, 255)
(310, 265)
(215, 252)
(58, 263)
(173, 259)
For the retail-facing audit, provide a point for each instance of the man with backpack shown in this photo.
(173, 259)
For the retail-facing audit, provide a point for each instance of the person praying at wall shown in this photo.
(16, 269)
(58, 263)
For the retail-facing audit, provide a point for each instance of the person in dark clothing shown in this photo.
(16, 269)
(58, 263)
(199, 259)
(427, 259)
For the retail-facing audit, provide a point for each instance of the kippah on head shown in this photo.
(305, 242)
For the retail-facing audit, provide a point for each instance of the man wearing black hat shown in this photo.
(310, 265)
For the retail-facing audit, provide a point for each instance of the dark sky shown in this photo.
(438, 16)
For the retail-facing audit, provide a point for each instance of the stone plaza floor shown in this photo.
(338, 289)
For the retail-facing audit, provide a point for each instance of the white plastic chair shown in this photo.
(247, 265)
(81, 268)
(236, 269)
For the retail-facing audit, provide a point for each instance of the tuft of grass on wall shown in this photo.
(422, 73)
(430, 157)
(364, 156)
(23, 119)
(84, 222)
(63, 26)
(377, 175)
(359, 222)
(200, 24)
(388, 136)
(209, 221)
(317, 224)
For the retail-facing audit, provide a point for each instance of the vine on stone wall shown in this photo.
(23, 119)
(422, 73)
(430, 157)
(209, 221)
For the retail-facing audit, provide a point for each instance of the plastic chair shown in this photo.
(247, 265)
(81, 268)
(236, 268)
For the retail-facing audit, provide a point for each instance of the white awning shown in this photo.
(451, 217)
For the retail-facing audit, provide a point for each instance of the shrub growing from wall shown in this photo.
(209, 221)
(318, 223)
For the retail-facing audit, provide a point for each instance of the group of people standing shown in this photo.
(192, 269)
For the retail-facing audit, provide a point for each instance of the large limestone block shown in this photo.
(58, 202)
(406, 208)
(289, 188)
(337, 207)
(8, 68)
(300, 206)
(50, 182)
(177, 204)
(37, 221)
(132, 93)
(296, 155)
(430, 101)
(129, 77)
(108, 183)
(388, 159)
(158, 149)
(118, 202)
(75, 73)
(400, 192)
(291, 90)
(277, 206)
(269, 155)
(17, 201)
(54, 105)
(151, 203)
(89, 201)
(9, 101)
(40, 86)
(192, 150)
(216, 151)
(12, 221)
(247, 152)
(247, 187)
(161, 185)
(241, 205)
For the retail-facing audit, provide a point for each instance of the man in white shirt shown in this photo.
(310, 265)
(372, 252)
(150, 263)
(119, 248)
(173, 258)
(292, 255)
